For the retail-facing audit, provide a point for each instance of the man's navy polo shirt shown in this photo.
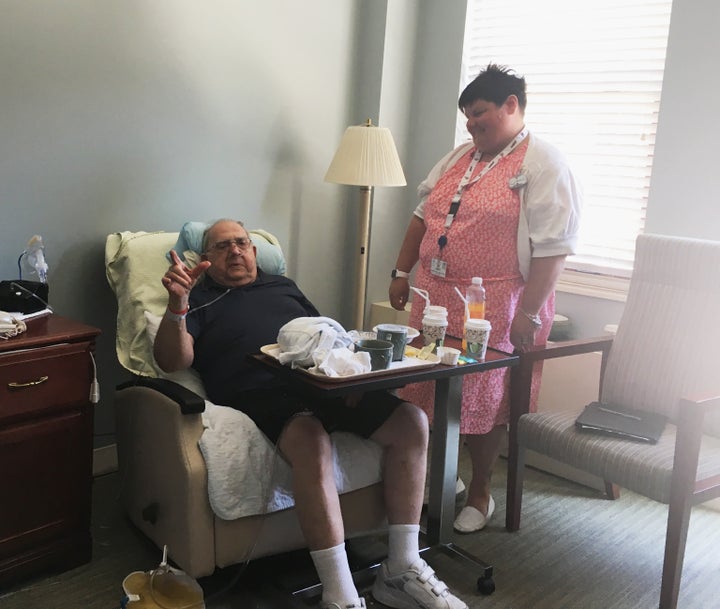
(238, 323)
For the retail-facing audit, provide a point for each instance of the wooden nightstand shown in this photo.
(46, 444)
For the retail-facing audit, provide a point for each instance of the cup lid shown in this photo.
(435, 310)
(435, 320)
(391, 328)
(478, 324)
(443, 350)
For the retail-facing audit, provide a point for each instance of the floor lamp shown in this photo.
(366, 157)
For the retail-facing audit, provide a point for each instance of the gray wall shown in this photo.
(142, 114)
(683, 193)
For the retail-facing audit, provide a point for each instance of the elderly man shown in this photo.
(225, 308)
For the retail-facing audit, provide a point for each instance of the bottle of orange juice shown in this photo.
(475, 298)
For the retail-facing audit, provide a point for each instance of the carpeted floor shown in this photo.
(575, 550)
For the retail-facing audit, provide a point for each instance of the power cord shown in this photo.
(94, 385)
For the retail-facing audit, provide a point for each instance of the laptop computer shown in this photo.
(621, 422)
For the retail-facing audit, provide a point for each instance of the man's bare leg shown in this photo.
(404, 436)
(307, 447)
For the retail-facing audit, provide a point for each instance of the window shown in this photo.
(594, 73)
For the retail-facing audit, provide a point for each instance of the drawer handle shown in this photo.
(40, 381)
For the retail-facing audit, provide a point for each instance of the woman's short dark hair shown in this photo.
(494, 84)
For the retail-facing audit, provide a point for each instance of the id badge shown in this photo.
(438, 267)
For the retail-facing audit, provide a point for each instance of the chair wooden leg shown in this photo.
(675, 542)
(612, 490)
(682, 486)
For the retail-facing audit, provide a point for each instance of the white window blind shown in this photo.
(594, 71)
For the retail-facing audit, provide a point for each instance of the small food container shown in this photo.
(448, 355)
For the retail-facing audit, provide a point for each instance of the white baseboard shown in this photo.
(105, 460)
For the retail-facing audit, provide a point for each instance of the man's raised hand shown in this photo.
(179, 279)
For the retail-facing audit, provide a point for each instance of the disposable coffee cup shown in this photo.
(434, 328)
(381, 352)
(477, 333)
(397, 335)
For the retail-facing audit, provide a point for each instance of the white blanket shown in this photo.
(238, 458)
(302, 337)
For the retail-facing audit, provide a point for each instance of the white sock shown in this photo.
(403, 550)
(333, 570)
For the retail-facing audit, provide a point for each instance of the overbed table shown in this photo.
(445, 433)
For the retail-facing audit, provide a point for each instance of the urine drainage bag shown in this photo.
(161, 588)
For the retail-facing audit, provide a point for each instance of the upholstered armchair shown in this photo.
(664, 359)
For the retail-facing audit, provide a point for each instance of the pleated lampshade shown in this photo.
(366, 156)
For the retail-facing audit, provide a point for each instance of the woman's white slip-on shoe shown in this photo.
(471, 519)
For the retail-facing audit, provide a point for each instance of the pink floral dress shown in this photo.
(482, 241)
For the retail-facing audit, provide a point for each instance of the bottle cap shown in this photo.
(477, 280)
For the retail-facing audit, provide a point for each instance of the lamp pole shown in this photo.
(363, 255)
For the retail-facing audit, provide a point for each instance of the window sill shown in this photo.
(593, 285)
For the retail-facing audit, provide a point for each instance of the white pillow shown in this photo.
(188, 378)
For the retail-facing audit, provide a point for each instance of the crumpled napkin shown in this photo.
(301, 337)
(340, 362)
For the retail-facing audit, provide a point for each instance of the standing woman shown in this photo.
(504, 207)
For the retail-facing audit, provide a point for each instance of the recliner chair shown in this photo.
(172, 481)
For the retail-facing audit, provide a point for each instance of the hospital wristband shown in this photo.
(176, 316)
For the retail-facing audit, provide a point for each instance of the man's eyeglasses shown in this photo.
(222, 246)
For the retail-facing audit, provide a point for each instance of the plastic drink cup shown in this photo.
(476, 335)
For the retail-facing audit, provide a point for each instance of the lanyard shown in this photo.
(466, 181)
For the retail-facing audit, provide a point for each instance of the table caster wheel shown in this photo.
(486, 585)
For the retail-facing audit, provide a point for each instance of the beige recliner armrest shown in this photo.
(164, 484)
